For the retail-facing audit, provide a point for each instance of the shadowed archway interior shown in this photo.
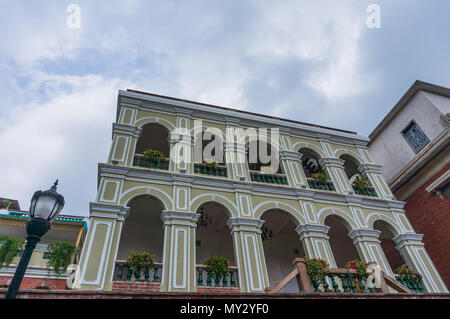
(143, 228)
(341, 244)
(281, 245)
(387, 244)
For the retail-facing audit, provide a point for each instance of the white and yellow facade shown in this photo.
(181, 190)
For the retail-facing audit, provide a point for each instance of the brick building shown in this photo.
(412, 145)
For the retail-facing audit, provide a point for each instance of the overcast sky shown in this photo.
(311, 61)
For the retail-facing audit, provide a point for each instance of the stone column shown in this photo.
(315, 241)
(98, 256)
(369, 248)
(249, 254)
(124, 144)
(334, 169)
(375, 176)
(178, 271)
(414, 254)
(181, 147)
(235, 156)
(292, 167)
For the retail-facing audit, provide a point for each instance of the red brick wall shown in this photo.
(139, 286)
(429, 214)
(34, 283)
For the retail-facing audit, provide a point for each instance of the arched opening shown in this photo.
(310, 162)
(386, 237)
(350, 167)
(263, 163)
(154, 136)
(208, 145)
(213, 236)
(143, 228)
(341, 244)
(281, 245)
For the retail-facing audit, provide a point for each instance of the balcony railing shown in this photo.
(314, 184)
(144, 161)
(204, 278)
(340, 280)
(412, 284)
(279, 179)
(219, 170)
(124, 273)
(367, 191)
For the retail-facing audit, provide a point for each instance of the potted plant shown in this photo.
(154, 155)
(210, 162)
(361, 268)
(140, 261)
(9, 249)
(407, 274)
(60, 257)
(317, 270)
(217, 267)
(320, 178)
(362, 182)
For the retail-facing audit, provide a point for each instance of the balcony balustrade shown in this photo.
(279, 179)
(343, 280)
(314, 184)
(367, 191)
(124, 273)
(204, 278)
(205, 169)
(144, 161)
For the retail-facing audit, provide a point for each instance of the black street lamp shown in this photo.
(45, 207)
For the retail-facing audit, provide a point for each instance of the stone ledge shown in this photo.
(78, 294)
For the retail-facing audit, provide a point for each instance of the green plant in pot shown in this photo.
(60, 257)
(218, 267)
(320, 178)
(140, 261)
(9, 249)
(210, 162)
(362, 182)
(361, 268)
(407, 274)
(154, 155)
(317, 270)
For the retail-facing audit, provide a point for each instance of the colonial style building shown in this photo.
(67, 229)
(183, 211)
(412, 145)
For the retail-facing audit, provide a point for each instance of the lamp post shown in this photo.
(45, 207)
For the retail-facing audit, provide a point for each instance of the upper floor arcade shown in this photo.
(308, 157)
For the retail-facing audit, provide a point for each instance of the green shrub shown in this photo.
(217, 266)
(141, 261)
(317, 269)
(9, 249)
(154, 154)
(60, 257)
(320, 178)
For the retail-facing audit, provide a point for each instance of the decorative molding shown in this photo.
(439, 182)
(321, 229)
(364, 233)
(400, 239)
(329, 161)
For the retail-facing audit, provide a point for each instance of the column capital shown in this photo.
(408, 239)
(364, 235)
(245, 224)
(369, 168)
(126, 130)
(118, 212)
(309, 230)
(291, 155)
(177, 137)
(172, 217)
(329, 161)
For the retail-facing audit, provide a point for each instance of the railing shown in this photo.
(367, 191)
(412, 284)
(314, 184)
(219, 170)
(124, 273)
(340, 280)
(144, 161)
(204, 278)
(279, 179)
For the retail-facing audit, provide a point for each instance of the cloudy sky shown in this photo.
(312, 61)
